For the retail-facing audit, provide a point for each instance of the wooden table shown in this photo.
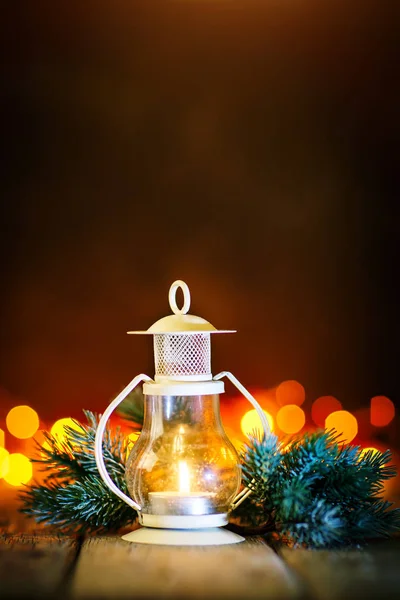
(55, 566)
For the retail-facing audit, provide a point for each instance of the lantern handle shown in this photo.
(98, 444)
(172, 297)
(264, 422)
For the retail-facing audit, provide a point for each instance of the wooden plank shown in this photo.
(35, 566)
(109, 567)
(372, 573)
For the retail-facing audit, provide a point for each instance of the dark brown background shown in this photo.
(248, 148)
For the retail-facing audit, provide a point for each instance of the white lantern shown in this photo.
(183, 473)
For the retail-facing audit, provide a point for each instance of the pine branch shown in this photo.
(81, 507)
(318, 493)
(73, 496)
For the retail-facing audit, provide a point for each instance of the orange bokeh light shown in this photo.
(344, 423)
(4, 462)
(382, 411)
(2, 438)
(291, 418)
(22, 422)
(251, 423)
(290, 392)
(322, 407)
(20, 470)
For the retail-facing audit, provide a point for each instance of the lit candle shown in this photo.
(183, 502)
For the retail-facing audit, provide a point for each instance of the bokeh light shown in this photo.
(4, 462)
(290, 392)
(370, 449)
(22, 422)
(251, 423)
(382, 411)
(2, 438)
(58, 429)
(130, 441)
(291, 418)
(20, 469)
(344, 423)
(322, 407)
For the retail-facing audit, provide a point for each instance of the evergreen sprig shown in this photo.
(73, 496)
(314, 492)
(318, 492)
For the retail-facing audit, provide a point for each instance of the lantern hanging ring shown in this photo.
(186, 297)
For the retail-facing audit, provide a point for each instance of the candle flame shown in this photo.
(184, 477)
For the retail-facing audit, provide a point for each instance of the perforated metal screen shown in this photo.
(182, 354)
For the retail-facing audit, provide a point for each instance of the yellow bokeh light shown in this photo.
(19, 471)
(344, 423)
(58, 429)
(22, 422)
(4, 462)
(131, 440)
(291, 418)
(2, 438)
(251, 423)
(370, 449)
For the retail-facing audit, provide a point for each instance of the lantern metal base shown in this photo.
(211, 536)
(183, 521)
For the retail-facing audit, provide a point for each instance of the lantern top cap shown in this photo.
(180, 321)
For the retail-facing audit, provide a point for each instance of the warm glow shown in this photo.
(382, 411)
(22, 422)
(58, 428)
(290, 418)
(2, 439)
(4, 462)
(290, 392)
(184, 477)
(344, 423)
(20, 470)
(322, 407)
(251, 423)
